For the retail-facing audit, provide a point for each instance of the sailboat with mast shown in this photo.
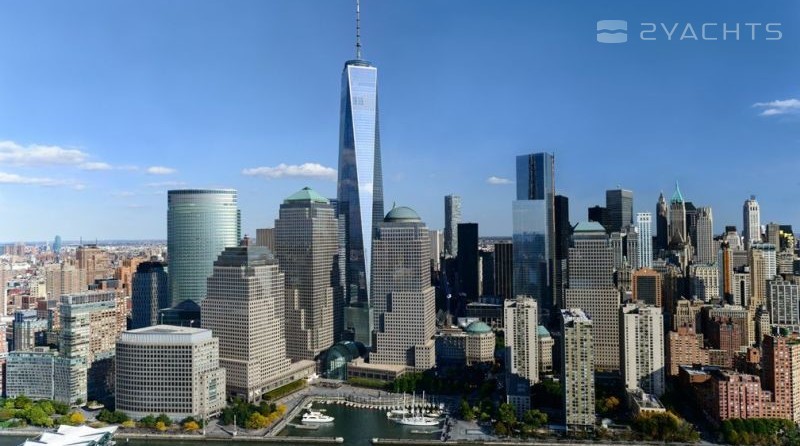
(418, 417)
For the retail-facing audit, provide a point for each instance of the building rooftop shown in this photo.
(200, 191)
(166, 329)
(165, 335)
(245, 256)
(402, 214)
(307, 194)
(645, 400)
(589, 226)
(478, 327)
(573, 315)
(74, 436)
(542, 332)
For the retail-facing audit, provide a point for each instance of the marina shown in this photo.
(359, 426)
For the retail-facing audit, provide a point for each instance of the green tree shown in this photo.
(105, 416)
(37, 417)
(22, 402)
(149, 421)
(664, 426)
(607, 405)
(163, 418)
(256, 421)
(60, 408)
(466, 411)
(47, 407)
(7, 414)
(501, 429)
(507, 413)
(534, 419)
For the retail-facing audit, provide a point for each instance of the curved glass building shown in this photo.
(201, 223)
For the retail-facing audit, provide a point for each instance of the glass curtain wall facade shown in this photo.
(534, 229)
(360, 182)
(452, 217)
(200, 225)
(150, 294)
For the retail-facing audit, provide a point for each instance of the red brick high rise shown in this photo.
(684, 347)
(781, 371)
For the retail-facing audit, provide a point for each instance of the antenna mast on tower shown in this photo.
(358, 29)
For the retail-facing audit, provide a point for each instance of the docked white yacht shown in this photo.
(313, 416)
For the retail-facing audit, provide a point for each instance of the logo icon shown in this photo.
(612, 31)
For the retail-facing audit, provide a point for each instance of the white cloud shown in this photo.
(37, 155)
(306, 170)
(497, 180)
(12, 178)
(160, 170)
(166, 184)
(779, 107)
(95, 166)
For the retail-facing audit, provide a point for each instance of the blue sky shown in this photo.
(104, 106)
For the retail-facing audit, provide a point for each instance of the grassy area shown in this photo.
(368, 383)
(282, 391)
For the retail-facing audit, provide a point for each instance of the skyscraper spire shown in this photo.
(358, 29)
(677, 197)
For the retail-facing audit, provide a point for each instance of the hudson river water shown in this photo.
(356, 426)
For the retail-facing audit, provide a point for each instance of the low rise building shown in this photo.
(170, 370)
(39, 374)
(644, 403)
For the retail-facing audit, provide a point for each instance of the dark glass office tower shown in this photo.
(619, 209)
(662, 225)
(534, 229)
(598, 214)
(503, 270)
(360, 183)
(563, 234)
(150, 293)
(691, 223)
(468, 274)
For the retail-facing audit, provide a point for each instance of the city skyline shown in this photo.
(68, 143)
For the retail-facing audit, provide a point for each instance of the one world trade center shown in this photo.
(360, 186)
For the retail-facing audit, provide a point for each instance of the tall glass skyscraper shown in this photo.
(360, 183)
(619, 209)
(452, 217)
(534, 229)
(201, 223)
